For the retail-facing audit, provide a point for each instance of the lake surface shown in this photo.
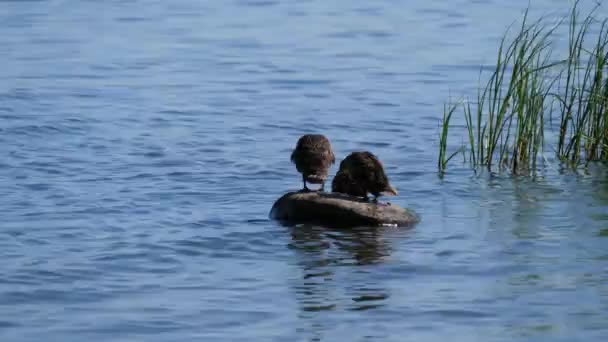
(143, 143)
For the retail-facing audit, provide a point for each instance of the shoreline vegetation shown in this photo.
(532, 97)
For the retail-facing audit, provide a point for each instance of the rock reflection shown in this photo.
(337, 272)
(363, 246)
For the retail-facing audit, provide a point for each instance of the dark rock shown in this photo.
(333, 209)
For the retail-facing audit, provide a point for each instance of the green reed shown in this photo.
(443, 138)
(506, 126)
(583, 98)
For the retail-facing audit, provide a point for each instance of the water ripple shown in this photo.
(143, 147)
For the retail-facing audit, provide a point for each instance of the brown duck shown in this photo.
(313, 157)
(362, 173)
(344, 183)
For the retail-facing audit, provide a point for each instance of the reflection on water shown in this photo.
(327, 281)
(360, 246)
(599, 181)
(142, 144)
(320, 254)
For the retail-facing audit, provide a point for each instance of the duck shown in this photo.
(313, 157)
(361, 173)
(344, 183)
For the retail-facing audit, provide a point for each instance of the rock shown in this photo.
(333, 209)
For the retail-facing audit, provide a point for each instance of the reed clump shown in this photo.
(507, 125)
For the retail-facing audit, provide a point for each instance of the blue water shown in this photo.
(143, 143)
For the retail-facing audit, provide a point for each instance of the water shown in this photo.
(144, 142)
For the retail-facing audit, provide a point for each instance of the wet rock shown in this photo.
(333, 209)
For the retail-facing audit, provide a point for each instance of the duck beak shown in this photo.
(391, 190)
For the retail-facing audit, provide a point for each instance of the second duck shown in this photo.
(361, 173)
